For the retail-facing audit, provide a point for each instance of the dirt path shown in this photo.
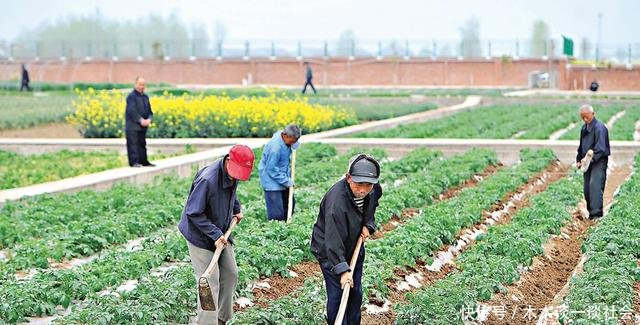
(545, 283)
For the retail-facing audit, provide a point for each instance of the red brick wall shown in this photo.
(371, 72)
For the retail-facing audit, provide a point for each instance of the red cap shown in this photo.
(240, 162)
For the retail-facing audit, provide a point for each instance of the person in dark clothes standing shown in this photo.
(25, 79)
(347, 212)
(207, 215)
(138, 117)
(309, 79)
(593, 136)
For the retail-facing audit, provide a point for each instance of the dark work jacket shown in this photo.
(339, 225)
(138, 107)
(211, 204)
(25, 76)
(596, 137)
(309, 73)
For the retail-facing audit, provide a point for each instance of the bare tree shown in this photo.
(199, 39)
(586, 48)
(470, 35)
(346, 43)
(539, 38)
(219, 32)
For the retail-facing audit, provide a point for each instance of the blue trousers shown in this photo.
(352, 315)
(278, 204)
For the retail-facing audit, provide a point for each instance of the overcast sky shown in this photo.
(370, 19)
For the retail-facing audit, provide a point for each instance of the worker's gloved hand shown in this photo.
(345, 278)
(290, 183)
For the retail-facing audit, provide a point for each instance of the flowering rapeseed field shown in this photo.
(100, 114)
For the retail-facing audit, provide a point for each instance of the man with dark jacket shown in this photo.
(211, 205)
(138, 116)
(593, 136)
(25, 79)
(309, 77)
(347, 212)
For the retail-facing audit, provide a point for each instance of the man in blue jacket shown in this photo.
(275, 171)
(138, 117)
(211, 205)
(594, 136)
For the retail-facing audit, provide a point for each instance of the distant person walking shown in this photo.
(25, 79)
(138, 117)
(309, 79)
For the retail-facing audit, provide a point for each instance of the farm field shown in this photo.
(246, 163)
(23, 170)
(541, 121)
(132, 266)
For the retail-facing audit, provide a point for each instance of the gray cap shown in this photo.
(364, 171)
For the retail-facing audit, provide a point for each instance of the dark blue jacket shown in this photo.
(210, 206)
(138, 107)
(339, 225)
(25, 76)
(309, 73)
(594, 136)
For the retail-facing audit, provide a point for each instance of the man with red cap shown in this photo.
(210, 207)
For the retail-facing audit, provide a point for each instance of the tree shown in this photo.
(199, 39)
(539, 38)
(586, 48)
(346, 43)
(95, 35)
(219, 32)
(470, 35)
(621, 55)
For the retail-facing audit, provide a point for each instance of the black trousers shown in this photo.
(352, 315)
(137, 147)
(309, 83)
(25, 85)
(594, 181)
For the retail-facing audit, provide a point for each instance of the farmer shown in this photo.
(211, 205)
(138, 117)
(346, 213)
(309, 76)
(25, 79)
(275, 171)
(593, 136)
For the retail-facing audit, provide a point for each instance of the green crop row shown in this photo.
(267, 248)
(604, 291)
(494, 261)
(396, 248)
(522, 121)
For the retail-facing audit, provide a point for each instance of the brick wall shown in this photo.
(370, 72)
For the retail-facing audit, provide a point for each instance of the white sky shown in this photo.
(372, 19)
